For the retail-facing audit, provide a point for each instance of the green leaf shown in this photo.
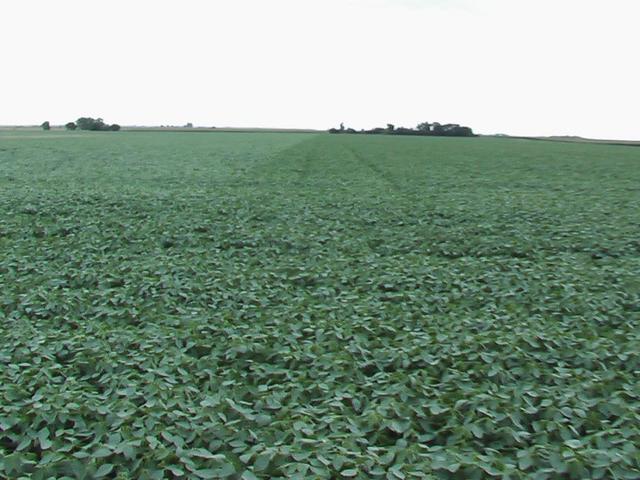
(247, 475)
(226, 470)
(476, 430)
(43, 439)
(23, 444)
(557, 463)
(175, 470)
(104, 470)
(525, 462)
(453, 467)
(262, 462)
(387, 458)
(204, 453)
(206, 473)
(45, 443)
(102, 452)
(573, 443)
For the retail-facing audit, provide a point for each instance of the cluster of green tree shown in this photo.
(187, 125)
(93, 124)
(432, 129)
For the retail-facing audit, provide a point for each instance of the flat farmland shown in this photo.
(280, 305)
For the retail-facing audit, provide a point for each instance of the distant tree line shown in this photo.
(425, 129)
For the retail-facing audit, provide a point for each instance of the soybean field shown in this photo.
(298, 305)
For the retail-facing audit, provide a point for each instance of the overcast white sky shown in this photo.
(531, 67)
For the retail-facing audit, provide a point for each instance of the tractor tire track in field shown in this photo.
(376, 170)
(306, 165)
(310, 161)
(289, 165)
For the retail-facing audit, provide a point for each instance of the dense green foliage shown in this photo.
(93, 124)
(178, 305)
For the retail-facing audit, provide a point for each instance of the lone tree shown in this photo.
(46, 126)
(114, 128)
(71, 126)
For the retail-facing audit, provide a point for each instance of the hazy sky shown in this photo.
(537, 67)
